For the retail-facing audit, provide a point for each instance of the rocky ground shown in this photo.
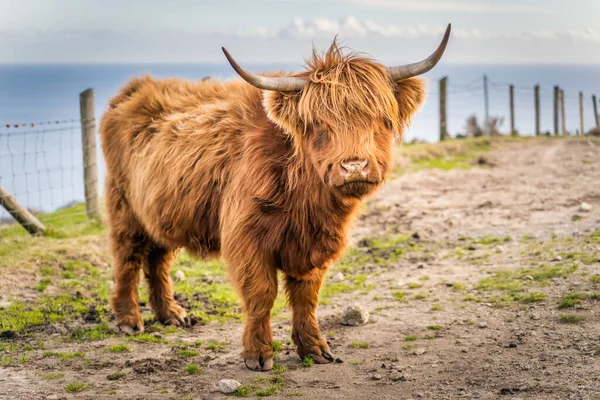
(480, 283)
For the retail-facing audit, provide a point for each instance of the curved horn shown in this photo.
(283, 84)
(406, 71)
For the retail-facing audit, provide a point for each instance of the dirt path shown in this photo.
(481, 284)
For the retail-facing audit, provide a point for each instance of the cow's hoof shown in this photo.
(131, 325)
(174, 315)
(259, 364)
(319, 354)
(324, 358)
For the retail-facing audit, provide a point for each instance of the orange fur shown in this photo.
(225, 169)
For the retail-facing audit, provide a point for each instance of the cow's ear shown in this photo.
(410, 94)
(282, 109)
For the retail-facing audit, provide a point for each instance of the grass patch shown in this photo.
(187, 353)
(98, 332)
(244, 391)
(145, 338)
(410, 338)
(279, 369)
(216, 346)
(268, 391)
(533, 297)
(572, 318)
(399, 295)
(414, 285)
(115, 376)
(454, 154)
(359, 345)
(75, 387)
(571, 300)
(437, 307)
(595, 279)
(434, 328)
(307, 362)
(119, 348)
(52, 376)
(277, 346)
(192, 369)
(64, 356)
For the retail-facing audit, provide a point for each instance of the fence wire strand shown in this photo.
(41, 167)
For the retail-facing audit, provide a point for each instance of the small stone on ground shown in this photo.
(354, 315)
(228, 386)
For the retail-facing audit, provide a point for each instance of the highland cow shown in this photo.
(266, 172)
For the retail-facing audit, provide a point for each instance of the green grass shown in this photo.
(410, 338)
(359, 345)
(98, 332)
(216, 346)
(571, 300)
(269, 391)
(192, 369)
(115, 376)
(572, 318)
(307, 362)
(187, 353)
(595, 279)
(145, 338)
(119, 348)
(437, 307)
(279, 369)
(533, 297)
(244, 391)
(75, 387)
(399, 295)
(52, 376)
(434, 327)
(454, 154)
(64, 356)
(277, 346)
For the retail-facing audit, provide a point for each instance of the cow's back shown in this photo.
(170, 148)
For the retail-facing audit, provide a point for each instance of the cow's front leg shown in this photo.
(303, 297)
(258, 287)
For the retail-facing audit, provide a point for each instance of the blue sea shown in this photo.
(42, 164)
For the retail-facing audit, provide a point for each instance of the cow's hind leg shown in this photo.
(166, 310)
(303, 297)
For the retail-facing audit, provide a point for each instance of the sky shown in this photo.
(285, 31)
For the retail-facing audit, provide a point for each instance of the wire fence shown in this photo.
(467, 103)
(41, 166)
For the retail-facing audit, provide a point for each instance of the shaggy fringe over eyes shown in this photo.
(347, 91)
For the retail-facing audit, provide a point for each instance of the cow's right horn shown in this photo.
(280, 84)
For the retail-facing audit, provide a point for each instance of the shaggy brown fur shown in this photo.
(227, 169)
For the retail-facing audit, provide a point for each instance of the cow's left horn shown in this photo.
(418, 68)
(281, 84)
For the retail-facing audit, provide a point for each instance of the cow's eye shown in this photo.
(321, 139)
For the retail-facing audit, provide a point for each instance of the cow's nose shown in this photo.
(354, 170)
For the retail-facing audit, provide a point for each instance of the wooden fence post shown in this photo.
(536, 95)
(562, 113)
(511, 97)
(596, 111)
(556, 94)
(88, 141)
(20, 213)
(443, 126)
(581, 124)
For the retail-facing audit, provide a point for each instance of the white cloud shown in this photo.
(468, 6)
(351, 27)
